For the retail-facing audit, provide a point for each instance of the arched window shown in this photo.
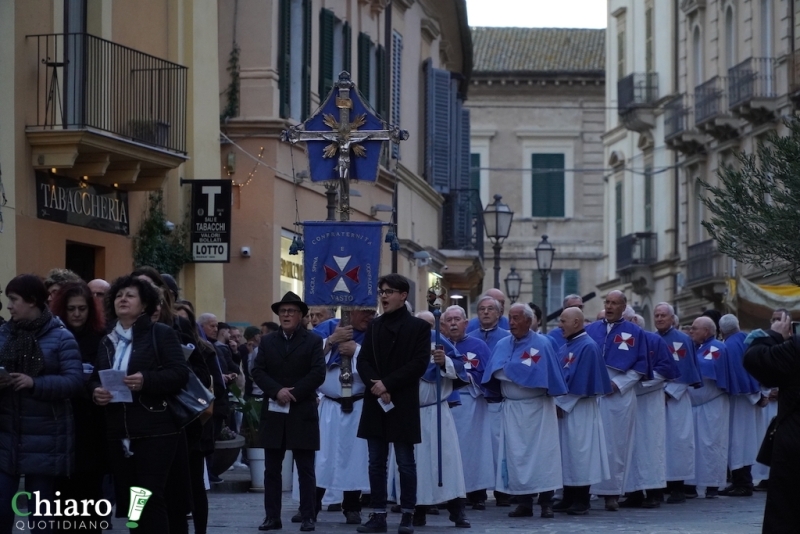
(730, 38)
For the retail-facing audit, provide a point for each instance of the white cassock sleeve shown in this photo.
(567, 402)
(624, 381)
(676, 389)
(449, 370)
(657, 379)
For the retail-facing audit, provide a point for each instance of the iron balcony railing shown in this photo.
(638, 89)
(710, 99)
(703, 262)
(87, 82)
(752, 78)
(636, 249)
(462, 220)
(676, 117)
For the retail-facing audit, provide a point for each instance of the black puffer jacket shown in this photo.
(37, 429)
(164, 375)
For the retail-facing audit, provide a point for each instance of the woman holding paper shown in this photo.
(75, 306)
(41, 372)
(140, 364)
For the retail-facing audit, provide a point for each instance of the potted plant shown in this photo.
(251, 418)
(226, 449)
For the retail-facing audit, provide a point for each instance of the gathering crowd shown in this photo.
(420, 412)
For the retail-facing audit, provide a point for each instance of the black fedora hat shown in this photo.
(291, 298)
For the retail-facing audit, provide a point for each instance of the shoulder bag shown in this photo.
(764, 455)
(192, 402)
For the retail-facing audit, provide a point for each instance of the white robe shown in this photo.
(647, 469)
(618, 413)
(711, 412)
(530, 453)
(474, 438)
(679, 433)
(744, 438)
(495, 416)
(763, 417)
(426, 452)
(584, 460)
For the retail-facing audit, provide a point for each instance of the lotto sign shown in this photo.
(211, 221)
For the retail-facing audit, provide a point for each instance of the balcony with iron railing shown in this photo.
(679, 131)
(121, 112)
(635, 250)
(637, 95)
(794, 77)
(752, 90)
(711, 109)
(704, 263)
(462, 221)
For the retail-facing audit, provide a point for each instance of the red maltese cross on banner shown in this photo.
(711, 353)
(470, 361)
(342, 274)
(624, 340)
(678, 352)
(531, 357)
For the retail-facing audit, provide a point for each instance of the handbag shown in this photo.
(192, 402)
(764, 455)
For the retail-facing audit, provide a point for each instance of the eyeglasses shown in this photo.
(388, 292)
(288, 311)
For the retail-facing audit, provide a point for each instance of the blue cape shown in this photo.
(743, 383)
(713, 360)
(660, 357)
(490, 337)
(529, 362)
(325, 329)
(682, 349)
(623, 348)
(475, 324)
(583, 367)
(558, 336)
(454, 355)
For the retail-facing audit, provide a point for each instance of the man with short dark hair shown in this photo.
(392, 360)
(268, 327)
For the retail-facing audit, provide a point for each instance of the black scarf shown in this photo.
(21, 353)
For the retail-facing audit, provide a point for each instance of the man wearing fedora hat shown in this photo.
(289, 368)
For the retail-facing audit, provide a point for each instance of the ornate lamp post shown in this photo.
(513, 285)
(497, 219)
(544, 259)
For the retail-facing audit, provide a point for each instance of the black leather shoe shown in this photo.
(480, 505)
(396, 508)
(651, 502)
(725, 492)
(712, 493)
(307, 526)
(547, 511)
(502, 501)
(632, 502)
(676, 497)
(375, 524)
(334, 507)
(352, 517)
(406, 526)
(297, 518)
(562, 506)
(578, 509)
(739, 492)
(690, 492)
(460, 520)
(419, 519)
(761, 486)
(270, 524)
(521, 511)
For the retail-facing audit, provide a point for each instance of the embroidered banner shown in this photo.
(342, 262)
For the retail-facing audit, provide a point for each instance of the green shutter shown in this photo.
(439, 129)
(397, 71)
(347, 48)
(326, 22)
(306, 81)
(284, 56)
(475, 172)
(547, 186)
(364, 47)
(571, 282)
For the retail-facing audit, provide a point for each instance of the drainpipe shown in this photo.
(676, 171)
(387, 38)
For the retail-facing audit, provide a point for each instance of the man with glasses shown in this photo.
(393, 358)
(289, 368)
(482, 321)
(570, 301)
(99, 288)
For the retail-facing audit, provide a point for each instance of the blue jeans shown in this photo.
(378, 458)
(9, 485)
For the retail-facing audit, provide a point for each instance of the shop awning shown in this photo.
(758, 300)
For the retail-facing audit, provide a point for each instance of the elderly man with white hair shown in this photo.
(745, 393)
(481, 322)
(527, 369)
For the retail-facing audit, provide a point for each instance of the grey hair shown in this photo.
(205, 317)
(527, 310)
(668, 305)
(728, 324)
(495, 302)
(455, 307)
(570, 297)
(638, 320)
(676, 321)
(629, 313)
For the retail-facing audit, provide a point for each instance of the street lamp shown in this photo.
(497, 221)
(513, 285)
(544, 260)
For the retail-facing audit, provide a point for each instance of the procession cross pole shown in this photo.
(344, 137)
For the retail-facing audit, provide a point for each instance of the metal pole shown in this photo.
(437, 314)
(543, 326)
(330, 193)
(497, 247)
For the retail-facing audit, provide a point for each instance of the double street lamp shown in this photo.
(545, 252)
(497, 219)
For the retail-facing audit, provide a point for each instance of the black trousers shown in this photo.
(545, 497)
(84, 485)
(304, 462)
(351, 500)
(742, 477)
(199, 497)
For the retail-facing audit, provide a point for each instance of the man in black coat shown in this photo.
(774, 360)
(393, 358)
(289, 368)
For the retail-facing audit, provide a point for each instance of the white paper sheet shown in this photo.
(112, 382)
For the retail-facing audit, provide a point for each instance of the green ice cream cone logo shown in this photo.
(139, 497)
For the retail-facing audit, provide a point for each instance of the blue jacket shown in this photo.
(37, 434)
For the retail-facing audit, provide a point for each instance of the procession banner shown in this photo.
(342, 263)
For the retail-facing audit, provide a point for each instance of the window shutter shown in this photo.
(364, 46)
(547, 185)
(284, 57)
(382, 93)
(326, 22)
(464, 174)
(475, 172)
(438, 129)
(306, 81)
(397, 54)
(347, 49)
(571, 282)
